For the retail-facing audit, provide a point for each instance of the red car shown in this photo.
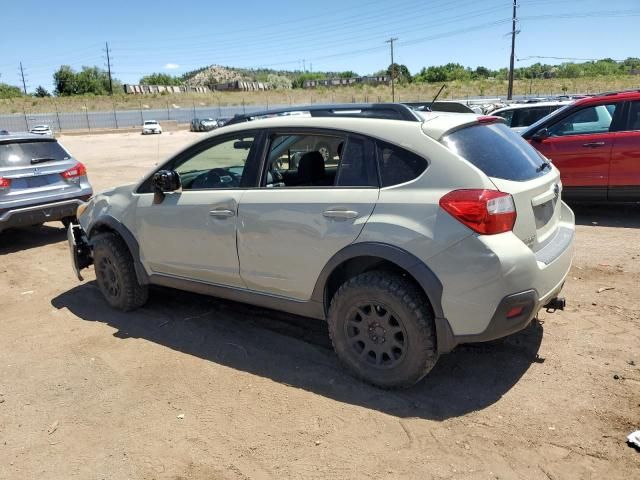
(595, 143)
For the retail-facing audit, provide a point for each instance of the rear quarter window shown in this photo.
(396, 165)
(497, 151)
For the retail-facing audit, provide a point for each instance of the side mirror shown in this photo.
(164, 181)
(541, 135)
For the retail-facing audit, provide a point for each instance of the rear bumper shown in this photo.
(48, 212)
(501, 273)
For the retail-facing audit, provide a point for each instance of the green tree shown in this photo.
(399, 72)
(9, 91)
(64, 80)
(41, 92)
(161, 79)
(347, 74)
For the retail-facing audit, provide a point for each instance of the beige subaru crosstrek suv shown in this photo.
(422, 231)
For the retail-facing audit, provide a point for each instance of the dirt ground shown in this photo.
(192, 387)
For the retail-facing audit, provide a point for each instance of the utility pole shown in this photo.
(109, 69)
(393, 88)
(513, 50)
(24, 84)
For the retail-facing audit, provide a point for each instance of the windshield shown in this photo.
(150, 122)
(28, 153)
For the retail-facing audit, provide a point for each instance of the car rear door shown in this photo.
(580, 145)
(294, 223)
(37, 170)
(624, 174)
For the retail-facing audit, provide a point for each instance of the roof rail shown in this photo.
(608, 94)
(389, 111)
(440, 106)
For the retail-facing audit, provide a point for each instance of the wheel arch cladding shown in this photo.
(107, 223)
(360, 257)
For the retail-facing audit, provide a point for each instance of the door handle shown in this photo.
(341, 214)
(223, 213)
(593, 144)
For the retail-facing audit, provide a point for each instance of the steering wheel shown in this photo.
(216, 178)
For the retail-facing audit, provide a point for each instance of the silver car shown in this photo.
(417, 234)
(40, 181)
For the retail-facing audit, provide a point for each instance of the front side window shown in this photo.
(219, 166)
(310, 160)
(588, 120)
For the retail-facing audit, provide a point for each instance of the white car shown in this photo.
(519, 116)
(151, 126)
(42, 130)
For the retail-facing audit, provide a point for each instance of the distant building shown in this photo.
(241, 86)
(342, 82)
(151, 89)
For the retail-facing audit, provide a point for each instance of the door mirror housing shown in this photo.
(164, 181)
(540, 135)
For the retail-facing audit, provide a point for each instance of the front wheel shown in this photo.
(382, 328)
(115, 273)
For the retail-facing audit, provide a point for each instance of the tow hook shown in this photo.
(554, 304)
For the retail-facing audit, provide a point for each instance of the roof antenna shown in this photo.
(444, 85)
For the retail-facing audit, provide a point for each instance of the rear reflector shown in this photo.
(515, 311)
(78, 171)
(484, 211)
(4, 183)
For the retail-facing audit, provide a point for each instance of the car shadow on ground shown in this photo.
(296, 351)
(17, 239)
(607, 215)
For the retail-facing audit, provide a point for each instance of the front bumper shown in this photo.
(79, 248)
(36, 214)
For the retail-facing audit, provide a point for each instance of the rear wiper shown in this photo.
(542, 166)
(42, 160)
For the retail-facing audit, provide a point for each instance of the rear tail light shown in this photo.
(78, 171)
(4, 183)
(484, 211)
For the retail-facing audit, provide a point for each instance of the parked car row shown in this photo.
(207, 124)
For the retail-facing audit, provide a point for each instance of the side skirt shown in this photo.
(306, 309)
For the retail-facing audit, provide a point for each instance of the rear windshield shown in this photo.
(497, 151)
(30, 153)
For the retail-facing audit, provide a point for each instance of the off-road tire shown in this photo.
(404, 349)
(115, 273)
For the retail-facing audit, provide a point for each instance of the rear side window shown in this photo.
(497, 151)
(30, 153)
(397, 165)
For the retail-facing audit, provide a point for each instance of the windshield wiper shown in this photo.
(43, 159)
(542, 166)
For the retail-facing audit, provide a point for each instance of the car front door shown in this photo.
(580, 145)
(191, 233)
(624, 174)
(309, 207)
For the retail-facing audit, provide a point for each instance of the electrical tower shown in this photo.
(109, 68)
(513, 50)
(393, 89)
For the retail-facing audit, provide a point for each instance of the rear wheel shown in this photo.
(115, 273)
(382, 329)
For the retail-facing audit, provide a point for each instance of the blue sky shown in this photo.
(174, 37)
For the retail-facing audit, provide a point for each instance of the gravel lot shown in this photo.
(191, 387)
